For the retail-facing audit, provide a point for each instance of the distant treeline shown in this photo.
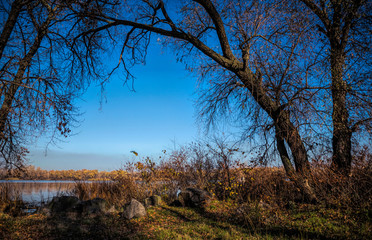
(36, 173)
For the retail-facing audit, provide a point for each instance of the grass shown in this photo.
(184, 223)
(218, 220)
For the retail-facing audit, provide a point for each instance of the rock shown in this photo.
(185, 198)
(156, 200)
(134, 209)
(96, 205)
(63, 204)
(147, 202)
(194, 197)
(71, 205)
(112, 209)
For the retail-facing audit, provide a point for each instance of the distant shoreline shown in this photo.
(36, 173)
(50, 180)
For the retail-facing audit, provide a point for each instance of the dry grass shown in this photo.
(248, 202)
(116, 192)
(10, 200)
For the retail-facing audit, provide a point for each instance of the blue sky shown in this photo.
(159, 114)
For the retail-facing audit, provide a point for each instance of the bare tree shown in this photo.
(344, 29)
(222, 41)
(39, 76)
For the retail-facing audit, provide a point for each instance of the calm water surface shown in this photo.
(38, 191)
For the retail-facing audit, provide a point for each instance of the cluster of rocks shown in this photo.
(191, 197)
(71, 204)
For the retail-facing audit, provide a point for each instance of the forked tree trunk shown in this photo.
(250, 80)
(300, 180)
(287, 132)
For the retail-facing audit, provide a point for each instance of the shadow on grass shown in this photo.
(264, 230)
(90, 227)
(178, 214)
(113, 226)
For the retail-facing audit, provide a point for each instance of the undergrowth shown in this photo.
(247, 202)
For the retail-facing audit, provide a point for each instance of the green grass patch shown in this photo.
(219, 220)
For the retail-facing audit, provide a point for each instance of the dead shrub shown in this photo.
(217, 170)
(336, 190)
(10, 200)
(118, 191)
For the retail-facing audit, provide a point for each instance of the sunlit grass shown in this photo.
(184, 223)
(219, 220)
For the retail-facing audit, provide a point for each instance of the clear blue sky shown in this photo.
(149, 120)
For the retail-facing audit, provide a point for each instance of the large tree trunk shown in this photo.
(285, 131)
(337, 22)
(291, 135)
(341, 140)
(300, 180)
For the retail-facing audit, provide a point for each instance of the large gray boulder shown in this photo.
(63, 204)
(194, 197)
(71, 204)
(96, 205)
(134, 209)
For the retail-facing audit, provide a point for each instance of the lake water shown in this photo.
(37, 191)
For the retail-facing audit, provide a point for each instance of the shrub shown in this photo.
(117, 191)
(10, 201)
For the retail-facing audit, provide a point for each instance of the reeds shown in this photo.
(267, 184)
(117, 192)
(10, 200)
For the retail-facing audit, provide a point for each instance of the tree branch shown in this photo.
(222, 60)
(320, 13)
(216, 18)
(9, 25)
(354, 128)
